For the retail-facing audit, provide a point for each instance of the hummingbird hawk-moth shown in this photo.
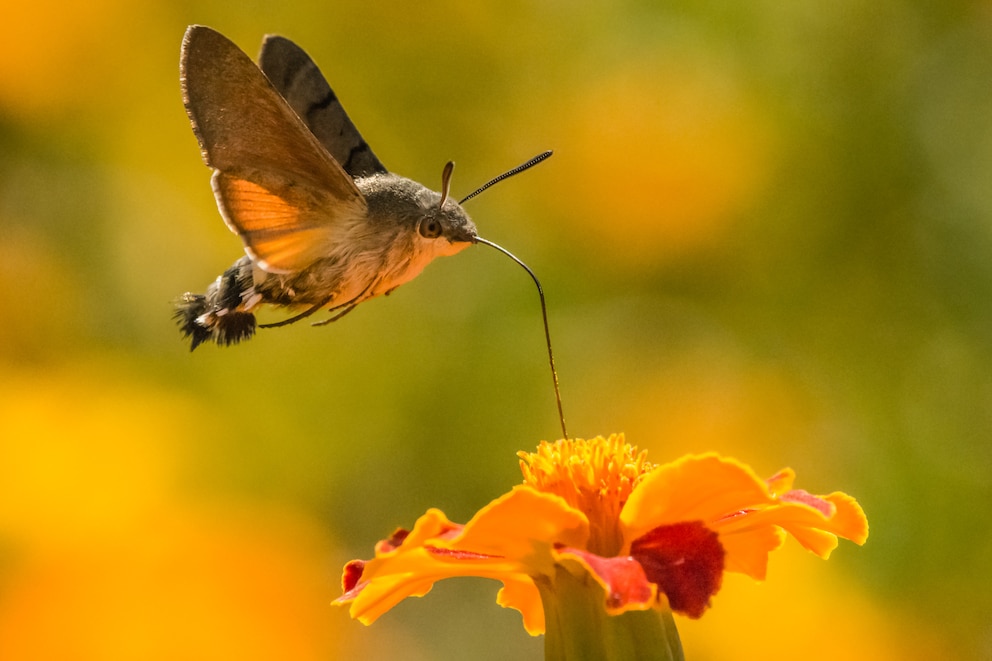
(324, 224)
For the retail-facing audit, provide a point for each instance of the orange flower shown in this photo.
(596, 513)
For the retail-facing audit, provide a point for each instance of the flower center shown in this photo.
(594, 476)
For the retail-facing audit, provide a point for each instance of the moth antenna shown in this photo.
(540, 293)
(506, 175)
(449, 167)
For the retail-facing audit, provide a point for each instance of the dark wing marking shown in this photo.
(298, 79)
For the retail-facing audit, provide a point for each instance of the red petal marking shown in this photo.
(456, 554)
(392, 542)
(734, 515)
(450, 533)
(806, 498)
(623, 575)
(781, 481)
(396, 540)
(352, 574)
(686, 561)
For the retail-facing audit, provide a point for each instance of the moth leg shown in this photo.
(350, 306)
(303, 315)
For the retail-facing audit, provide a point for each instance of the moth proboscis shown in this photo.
(324, 224)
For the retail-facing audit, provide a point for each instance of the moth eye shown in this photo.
(430, 228)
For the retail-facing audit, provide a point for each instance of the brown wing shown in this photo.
(276, 186)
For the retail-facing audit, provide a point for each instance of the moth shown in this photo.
(324, 224)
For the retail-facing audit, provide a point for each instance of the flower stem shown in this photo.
(578, 628)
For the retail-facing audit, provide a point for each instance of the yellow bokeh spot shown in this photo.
(712, 400)
(82, 455)
(180, 586)
(106, 556)
(657, 161)
(804, 611)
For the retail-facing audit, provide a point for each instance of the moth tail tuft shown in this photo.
(189, 308)
(215, 316)
(234, 327)
(198, 324)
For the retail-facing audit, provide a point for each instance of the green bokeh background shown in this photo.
(766, 231)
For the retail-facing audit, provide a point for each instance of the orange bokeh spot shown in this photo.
(58, 55)
(104, 556)
(656, 161)
(183, 586)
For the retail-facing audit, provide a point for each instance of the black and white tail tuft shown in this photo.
(217, 316)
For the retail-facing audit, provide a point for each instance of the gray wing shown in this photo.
(297, 78)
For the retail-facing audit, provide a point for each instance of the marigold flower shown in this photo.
(595, 512)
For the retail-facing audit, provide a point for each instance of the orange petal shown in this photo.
(814, 530)
(693, 488)
(520, 593)
(781, 481)
(524, 525)
(390, 579)
(849, 520)
(431, 525)
(748, 554)
(508, 540)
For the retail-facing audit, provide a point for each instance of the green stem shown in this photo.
(578, 628)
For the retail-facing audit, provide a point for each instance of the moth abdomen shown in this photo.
(219, 315)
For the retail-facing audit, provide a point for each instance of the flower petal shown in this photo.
(510, 539)
(693, 488)
(523, 525)
(730, 498)
(431, 525)
(748, 554)
(407, 566)
(520, 593)
(624, 583)
(386, 582)
(352, 575)
(626, 536)
(849, 520)
(781, 481)
(685, 561)
(814, 521)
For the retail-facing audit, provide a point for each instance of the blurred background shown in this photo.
(766, 231)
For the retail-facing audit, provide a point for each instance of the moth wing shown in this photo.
(284, 228)
(297, 78)
(275, 184)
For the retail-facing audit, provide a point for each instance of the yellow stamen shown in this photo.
(594, 476)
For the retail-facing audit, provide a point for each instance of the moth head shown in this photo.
(447, 219)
